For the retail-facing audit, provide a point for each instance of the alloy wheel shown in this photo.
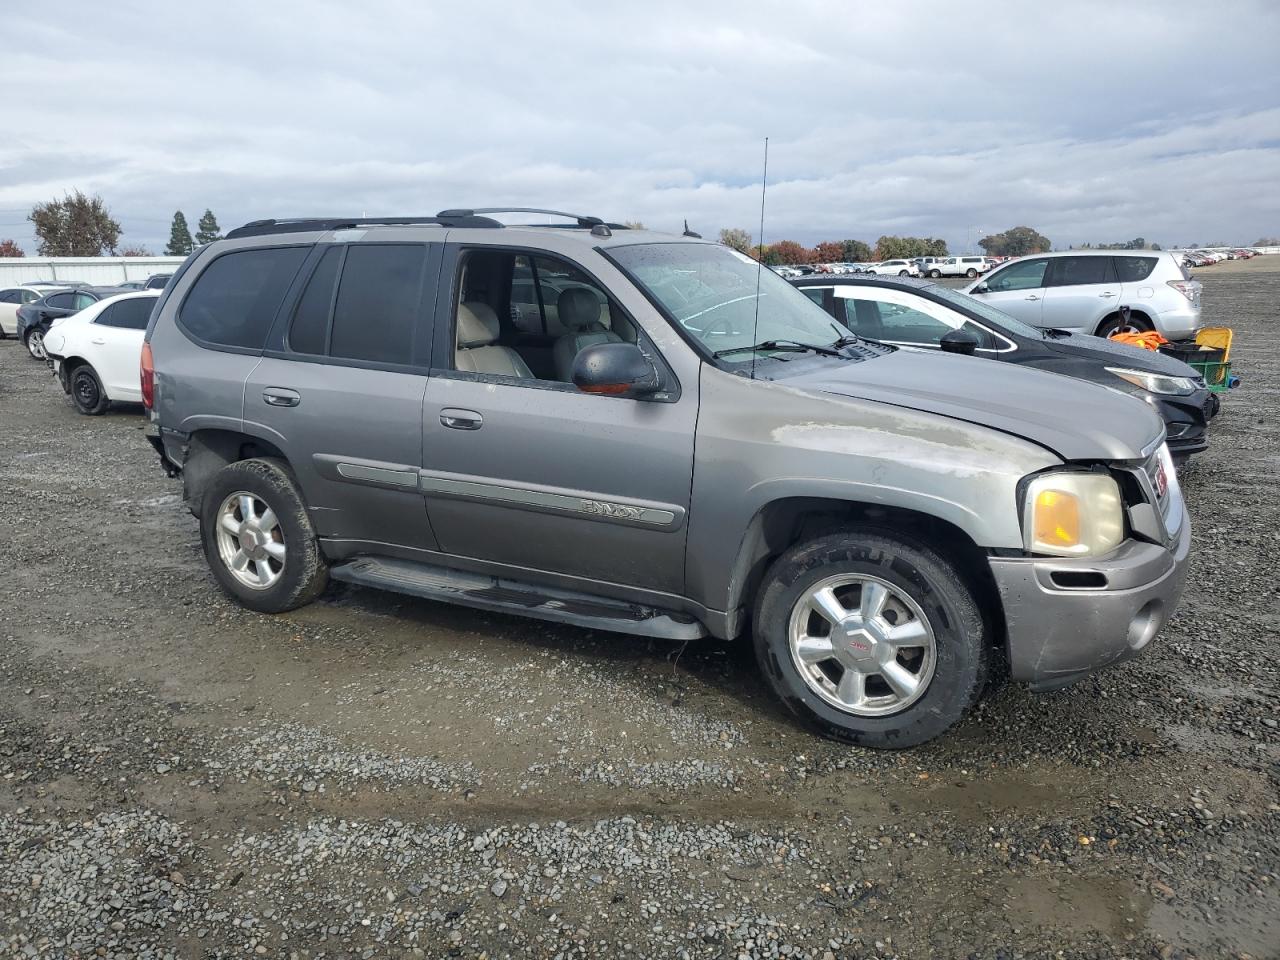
(250, 540)
(862, 645)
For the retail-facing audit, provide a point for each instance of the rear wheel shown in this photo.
(935, 274)
(1116, 323)
(971, 273)
(904, 273)
(87, 393)
(870, 638)
(258, 538)
(34, 339)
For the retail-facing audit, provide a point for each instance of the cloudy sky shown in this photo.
(1089, 121)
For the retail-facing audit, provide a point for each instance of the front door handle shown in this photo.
(281, 397)
(100, 342)
(1107, 293)
(1032, 297)
(456, 419)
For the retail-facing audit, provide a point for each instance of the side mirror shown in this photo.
(980, 288)
(615, 370)
(959, 341)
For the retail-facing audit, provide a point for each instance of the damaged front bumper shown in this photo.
(1068, 618)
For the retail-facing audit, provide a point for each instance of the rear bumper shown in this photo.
(1180, 323)
(1058, 635)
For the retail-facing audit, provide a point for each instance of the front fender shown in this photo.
(760, 442)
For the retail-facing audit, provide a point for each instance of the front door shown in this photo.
(528, 471)
(1081, 291)
(340, 390)
(1018, 289)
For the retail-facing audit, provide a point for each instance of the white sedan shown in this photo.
(96, 353)
(893, 268)
(11, 298)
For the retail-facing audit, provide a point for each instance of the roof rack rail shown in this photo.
(583, 220)
(259, 228)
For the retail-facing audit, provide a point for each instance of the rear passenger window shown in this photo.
(129, 314)
(1076, 271)
(311, 319)
(233, 302)
(1133, 269)
(379, 298)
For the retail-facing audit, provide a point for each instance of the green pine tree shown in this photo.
(207, 229)
(180, 242)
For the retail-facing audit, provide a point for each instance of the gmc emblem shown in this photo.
(1161, 481)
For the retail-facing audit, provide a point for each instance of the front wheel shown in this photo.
(258, 538)
(87, 393)
(35, 344)
(871, 638)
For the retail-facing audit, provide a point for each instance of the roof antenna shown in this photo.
(690, 233)
(755, 325)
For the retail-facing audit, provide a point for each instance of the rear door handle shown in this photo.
(99, 342)
(456, 419)
(1033, 297)
(1107, 293)
(281, 397)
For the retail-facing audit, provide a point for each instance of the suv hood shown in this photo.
(1074, 419)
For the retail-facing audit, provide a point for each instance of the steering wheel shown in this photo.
(726, 321)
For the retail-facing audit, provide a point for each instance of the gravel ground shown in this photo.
(377, 776)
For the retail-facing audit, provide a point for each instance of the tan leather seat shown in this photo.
(579, 311)
(477, 350)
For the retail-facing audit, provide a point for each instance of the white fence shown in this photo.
(96, 271)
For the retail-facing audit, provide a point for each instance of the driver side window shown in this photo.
(1027, 275)
(896, 323)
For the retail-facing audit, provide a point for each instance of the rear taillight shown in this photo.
(147, 373)
(1185, 287)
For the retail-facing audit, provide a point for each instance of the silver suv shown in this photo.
(628, 431)
(1097, 291)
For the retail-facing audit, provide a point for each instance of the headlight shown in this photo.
(1073, 515)
(1156, 382)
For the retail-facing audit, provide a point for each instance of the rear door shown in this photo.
(1017, 288)
(1080, 292)
(340, 389)
(116, 339)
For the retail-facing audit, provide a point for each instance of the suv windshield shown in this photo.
(710, 291)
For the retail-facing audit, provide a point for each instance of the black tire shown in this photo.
(935, 274)
(963, 655)
(87, 393)
(304, 574)
(1113, 322)
(971, 273)
(904, 273)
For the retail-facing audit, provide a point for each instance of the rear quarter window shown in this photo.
(1133, 269)
(233, 302)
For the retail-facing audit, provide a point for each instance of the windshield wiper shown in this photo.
(791, 346)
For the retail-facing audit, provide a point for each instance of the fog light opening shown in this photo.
(1145, 624)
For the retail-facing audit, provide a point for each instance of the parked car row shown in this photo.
(892, 488)
(29, 310)
(962, 266)
(1207, 258)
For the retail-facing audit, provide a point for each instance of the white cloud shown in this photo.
(1089, 121)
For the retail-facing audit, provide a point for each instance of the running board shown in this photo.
(512, 596)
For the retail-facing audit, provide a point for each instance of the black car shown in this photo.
(34, 319)
(920, 313)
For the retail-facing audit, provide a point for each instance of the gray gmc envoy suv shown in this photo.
(630, 431)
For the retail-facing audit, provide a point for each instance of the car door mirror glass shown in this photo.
(980, 288)
(615, 370)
